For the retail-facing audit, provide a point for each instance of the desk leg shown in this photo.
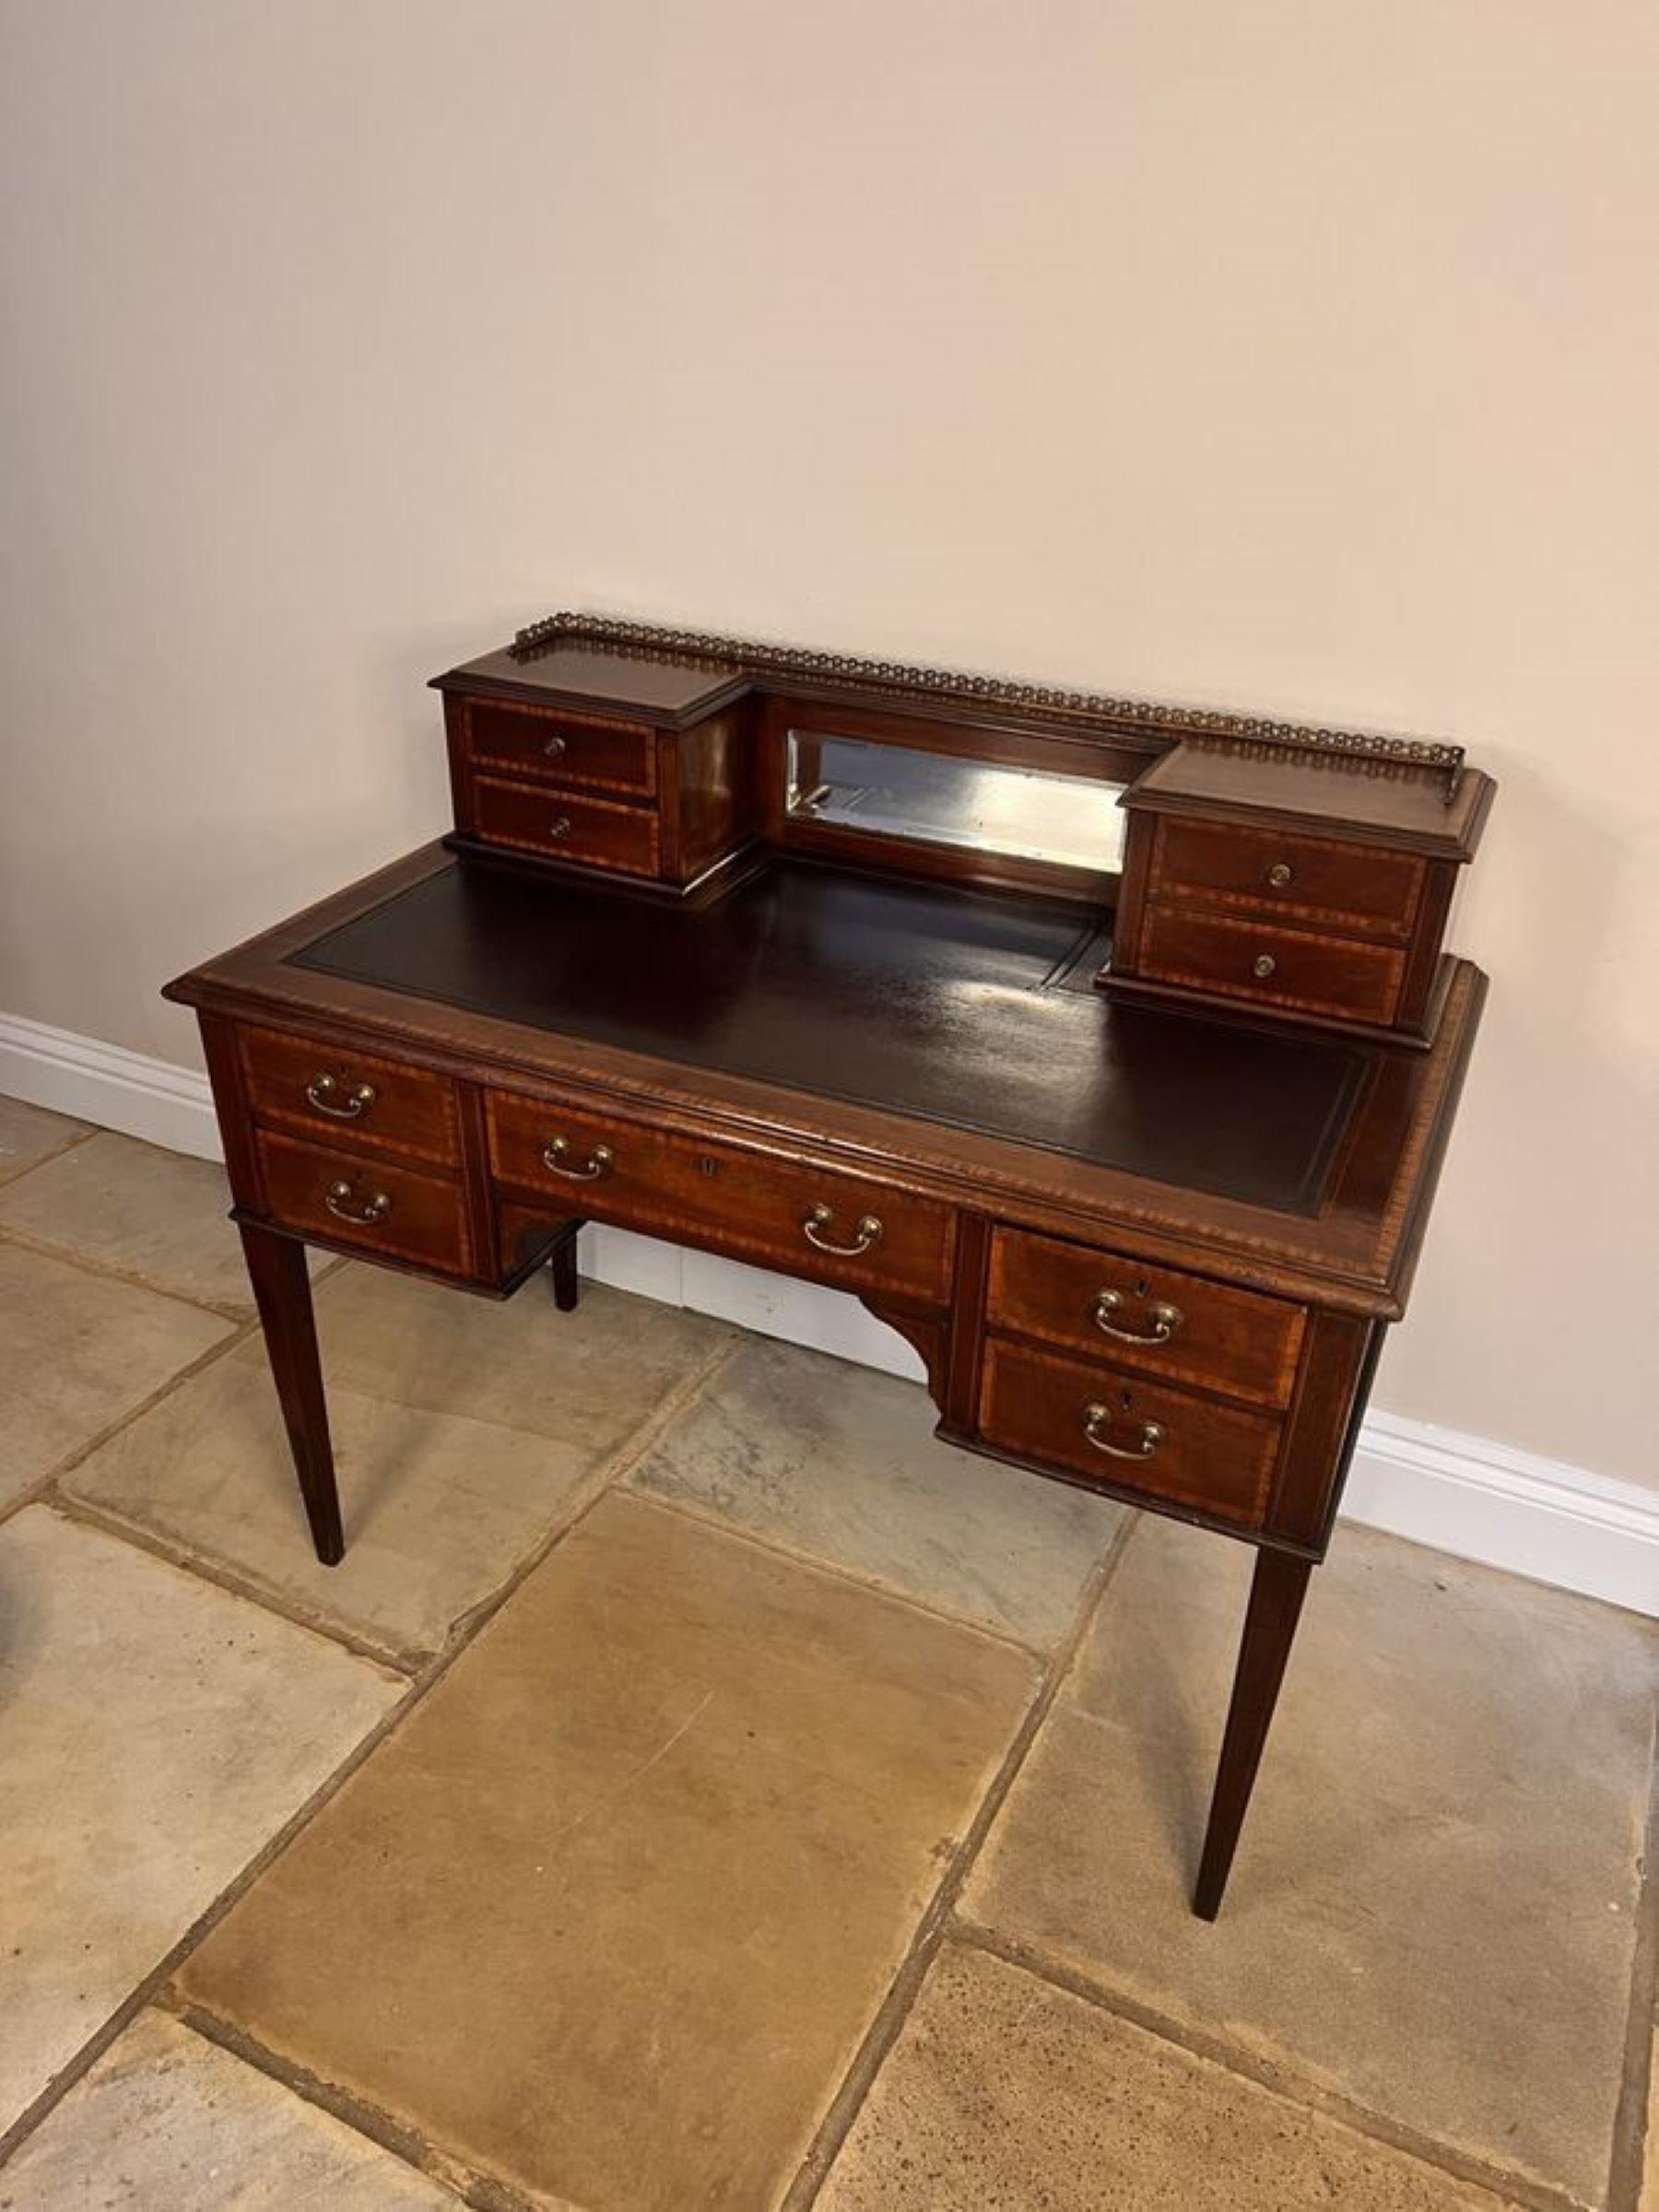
(1275, 1603)
(561, 1269)
(282, 1292)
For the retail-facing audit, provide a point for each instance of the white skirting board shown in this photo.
(1471, 1495)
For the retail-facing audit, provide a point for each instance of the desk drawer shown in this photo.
(367, 1202)
(1155, 1320)
(1277, 967)
(1114, 1428)
(350, 1097)
(1375, 892)
(567, 749)
(543, 819)
(745, 1202)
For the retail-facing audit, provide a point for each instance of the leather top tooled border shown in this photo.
(745, 655)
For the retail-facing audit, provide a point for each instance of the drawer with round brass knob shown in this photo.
(565, 824)
(1232, 957)
(575, 749)
(1365, 892)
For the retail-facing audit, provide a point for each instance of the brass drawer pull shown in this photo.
(560, 827)
(1098, 1416)
(1264, 965)
(324, 1091)
(1165, 1319)
(554, 747)
(375, 1207)
(1281, 874)
(821, 1218)
(599, 1161)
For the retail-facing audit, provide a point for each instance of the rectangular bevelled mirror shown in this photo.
(941, 799)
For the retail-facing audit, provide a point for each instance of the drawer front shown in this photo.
(602, 833)
(1109, 1425)
(567, 749)
(369, 1204)
(1276, 967)
(1316, 878)
(1156, 1320)
(350, 1097)
(745, 1202)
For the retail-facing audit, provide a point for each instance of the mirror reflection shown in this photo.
(933, 798)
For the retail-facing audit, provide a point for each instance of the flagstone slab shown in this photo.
(608, 1916)
(166, 2119)
(158, 1216)
(438, 1510)
(155, 1733)
(1003, 2091)
(842, 1464)
(587, 1380)
(77, 1351)
(1433, 1910)
(30, 1133)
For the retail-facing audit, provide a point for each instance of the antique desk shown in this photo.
(1108, 1052)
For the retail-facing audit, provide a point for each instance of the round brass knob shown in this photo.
(1264, 965)
(1280, 874)
(554, 747)
(559, 826)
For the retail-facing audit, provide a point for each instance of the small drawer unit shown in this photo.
(1302, 888)
(660, 791)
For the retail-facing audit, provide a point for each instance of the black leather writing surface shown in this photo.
(922, 999)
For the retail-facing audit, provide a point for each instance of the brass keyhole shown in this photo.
(708, 1167)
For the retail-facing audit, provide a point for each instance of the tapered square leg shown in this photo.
(282, 1292)
(561, 1270)
(1275, 1603)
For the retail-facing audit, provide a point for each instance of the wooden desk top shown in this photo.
(946, 1036)
(934, 1002)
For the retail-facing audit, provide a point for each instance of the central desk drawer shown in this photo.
(1116, 1429)
(1180, 1326)
(820, 1222)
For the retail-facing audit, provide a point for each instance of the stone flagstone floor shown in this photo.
(700, 1789)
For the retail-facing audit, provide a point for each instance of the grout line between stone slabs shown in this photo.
(401, 1659)
(472, 2184)
(1282, 2081)
(937, 1918)
(1630, 2126)
(870, 1584)
(470, 1625)
(112, 1271)
(81, 1135)
(44, 1484)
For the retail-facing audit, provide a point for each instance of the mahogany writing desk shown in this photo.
(836, 968)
